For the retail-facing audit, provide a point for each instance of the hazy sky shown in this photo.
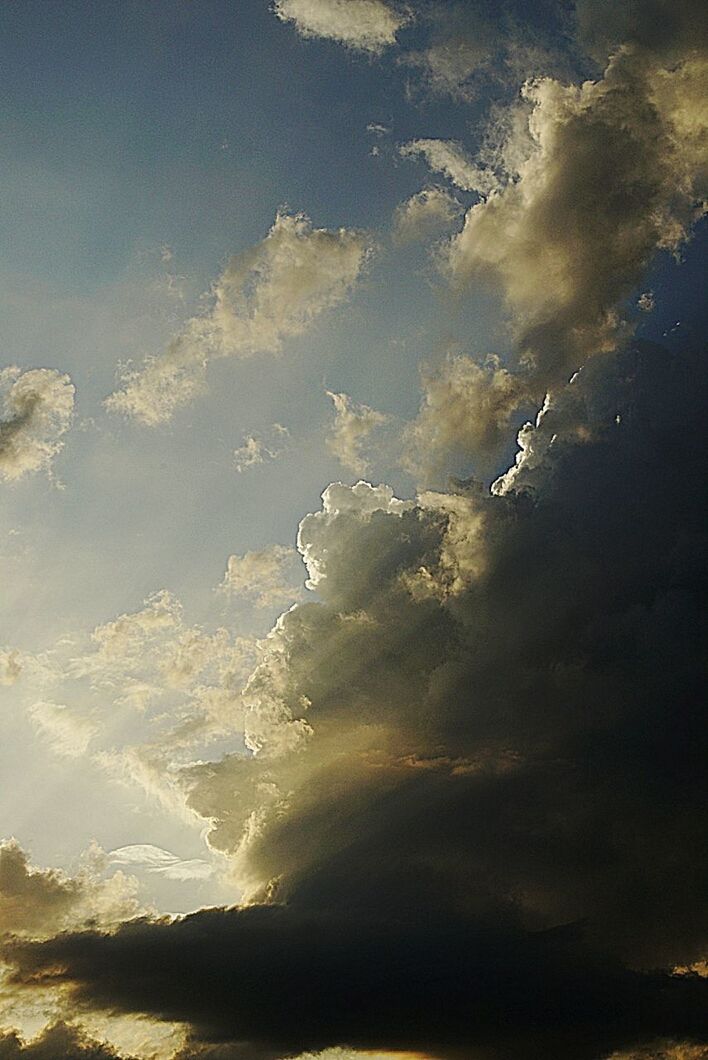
(387, 319)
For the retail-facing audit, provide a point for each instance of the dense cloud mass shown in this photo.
(266, 294)
(36, 410)
(478, 762)
(467, 814)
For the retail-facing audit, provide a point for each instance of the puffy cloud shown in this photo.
(257, 450)
(613, 174)
(465, 410)
(10, 666)
(425, 215)
(263, 576)
(351, 431)
(265, 295)
(40, 902)
(61, 1041)
(450, 159)
(36, 410)
(368, 25)
(478, 770)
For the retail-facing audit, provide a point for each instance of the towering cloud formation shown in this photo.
(470, 818)
(37, 408)
(265, 295)
(477, 769)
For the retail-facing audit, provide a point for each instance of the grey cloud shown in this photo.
(478, 770)
(36, 410)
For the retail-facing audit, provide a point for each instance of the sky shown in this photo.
(353, 538)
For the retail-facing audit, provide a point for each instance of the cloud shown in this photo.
(40, 902)
(351, 431)
(465, 410)
(262, 577)
(160, 862)
(36, 410)
(367, 25)
(69, 733)
(613, 174)
(477, 770)
(265, 295)
(257, 450)
(449, 158)
(10, 666)
(58, 1042)
(424, 215)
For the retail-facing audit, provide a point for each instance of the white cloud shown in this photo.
(352, 428)
(450, 159)
(264, 577)
(265, 295)
(69, 733)
(36, 410)
(257, 449)
(368, 25)
(160, 862)
(425, 215)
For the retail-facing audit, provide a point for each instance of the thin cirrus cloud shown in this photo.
(265, 295)
(366, 25)
(37, 409)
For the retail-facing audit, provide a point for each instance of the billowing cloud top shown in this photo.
(368, 25)
(37, 410)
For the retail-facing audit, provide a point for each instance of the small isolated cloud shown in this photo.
(367, 25)
(352, 429)
(449, 158)
(425, 215)
(69, 733)
(36, 410)
(10, 666)
(160, 862)
(264, 577)
(265, 295)
(258, 449)
(646, 302)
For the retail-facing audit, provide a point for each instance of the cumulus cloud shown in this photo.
(477, 770)
(425, 215)
(61, 1041)
(367, 25)
(36, 410)
(40, 902)
(351, 431)
(264, 576)
(265, 295)
(613, 173)
(465, 410)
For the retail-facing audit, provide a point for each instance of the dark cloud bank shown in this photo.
(475, 822)
(495, 833)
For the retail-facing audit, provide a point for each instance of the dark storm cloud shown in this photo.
(491, 727)
(59, 1042)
